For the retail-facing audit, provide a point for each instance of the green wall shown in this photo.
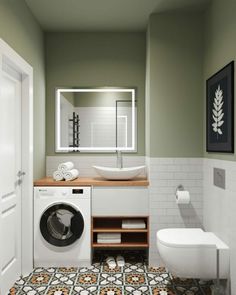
(174, 104)
(95, 59)
(20, 30)
(220, 48)
(147, 94)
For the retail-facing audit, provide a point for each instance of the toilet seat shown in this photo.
(188, 238)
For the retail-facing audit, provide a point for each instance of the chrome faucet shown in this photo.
(119, 160)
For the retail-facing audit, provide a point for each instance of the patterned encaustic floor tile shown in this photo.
(45, 270)
(39, 279)
(111, 290)
(183, 282)
(188, 290)
(67, 269)
(106, 269)
(157, 269)
(135, 278)
(134, 267)
(205, 286)
(137, 290)
(22, 281)
(162, 279)
(92, 269)
(166, 290)
(32, 289)
(58, 290)
(206, 290)
(14, 290)
(84, 290)
(111, 279)
(88, 279)
(67, 279)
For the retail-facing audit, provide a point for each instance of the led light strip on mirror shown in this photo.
(60, 148)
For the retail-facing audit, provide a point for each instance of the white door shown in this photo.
(10, 169)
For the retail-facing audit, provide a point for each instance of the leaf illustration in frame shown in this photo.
(217, 111)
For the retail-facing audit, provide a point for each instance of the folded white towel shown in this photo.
(71, 174)
(133, 223)
(58, 175)
(109, 236)
(112, 241)
(65, 166)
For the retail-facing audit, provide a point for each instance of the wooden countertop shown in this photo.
(96, 181)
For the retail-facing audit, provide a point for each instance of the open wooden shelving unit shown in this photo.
(130, 238)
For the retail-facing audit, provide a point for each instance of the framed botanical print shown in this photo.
(220, 111)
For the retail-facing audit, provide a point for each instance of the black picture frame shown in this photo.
(220, 111)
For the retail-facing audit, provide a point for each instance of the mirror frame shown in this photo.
(61, 149)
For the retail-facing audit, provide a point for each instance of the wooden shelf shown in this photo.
(96, 181)
(121, 245)
(130, 237)
(119, 230)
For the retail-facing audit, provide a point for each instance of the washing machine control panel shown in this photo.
(67, 192)
(77, 191)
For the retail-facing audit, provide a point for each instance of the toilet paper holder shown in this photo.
(179, 188)
(182, 196)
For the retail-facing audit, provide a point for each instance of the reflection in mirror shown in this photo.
(96, 119)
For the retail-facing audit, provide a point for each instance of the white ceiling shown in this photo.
(103, 15)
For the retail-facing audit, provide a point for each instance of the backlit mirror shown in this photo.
(95, 119)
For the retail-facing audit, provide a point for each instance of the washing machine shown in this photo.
(62, 226)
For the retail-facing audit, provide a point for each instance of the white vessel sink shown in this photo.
(119, 173)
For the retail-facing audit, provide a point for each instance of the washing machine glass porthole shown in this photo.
(61, 225)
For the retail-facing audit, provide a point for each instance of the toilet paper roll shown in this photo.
(182, 197)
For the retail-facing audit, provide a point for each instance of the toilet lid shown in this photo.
(188, 237)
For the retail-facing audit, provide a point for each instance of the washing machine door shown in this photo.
(61, 225)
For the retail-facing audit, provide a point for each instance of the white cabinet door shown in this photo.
(10, 166)
(120, 201)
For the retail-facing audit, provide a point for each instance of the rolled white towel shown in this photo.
(71, 174)
(66, 166)
(58, 175)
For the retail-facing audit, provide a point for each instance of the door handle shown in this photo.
(20, 173)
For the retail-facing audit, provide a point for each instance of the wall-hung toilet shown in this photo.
(191, 253)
